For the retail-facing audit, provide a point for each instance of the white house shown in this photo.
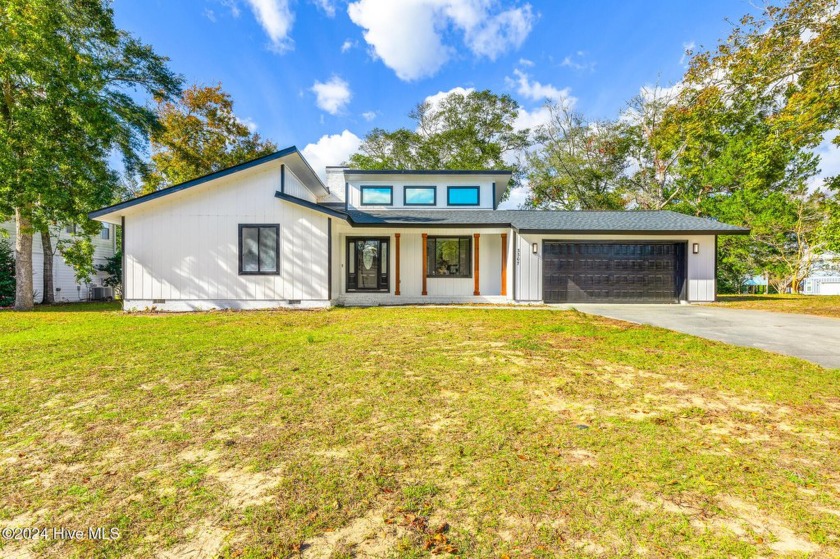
(269, 233)
(67, 289)
(824, 278)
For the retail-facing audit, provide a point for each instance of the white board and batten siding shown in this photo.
(439, 290)
(700, 273)
(67, 288)
(182, 250)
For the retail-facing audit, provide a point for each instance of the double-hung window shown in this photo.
(259, 249)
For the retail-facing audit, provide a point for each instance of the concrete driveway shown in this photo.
(813, 338)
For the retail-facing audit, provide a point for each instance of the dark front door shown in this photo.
(367, 264)
(607, 272)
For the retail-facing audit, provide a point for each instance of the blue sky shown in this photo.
(320, 74)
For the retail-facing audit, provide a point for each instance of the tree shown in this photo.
(113, 267)
(749, 116)
(652, 155)
(463, 130)
(7, 274)
(64, 111)
(577, 165)
(199, 134)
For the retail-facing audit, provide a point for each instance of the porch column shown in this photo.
(397, 256)
(425, 265)
(504, 262)
(475, 272)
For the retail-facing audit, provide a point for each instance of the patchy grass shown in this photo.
(410, 432)
(823, 305)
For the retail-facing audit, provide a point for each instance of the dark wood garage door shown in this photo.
(607, 272)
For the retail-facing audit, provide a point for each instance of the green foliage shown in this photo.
(113, 267)
(472, 130)
(199, 134)
(749, 117)
(78, 253)
(69, 79)
(7, 274)
(578, 165)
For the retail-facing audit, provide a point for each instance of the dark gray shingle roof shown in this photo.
(549, 221)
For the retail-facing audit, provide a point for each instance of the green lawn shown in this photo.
(410, 432)
(823, 305)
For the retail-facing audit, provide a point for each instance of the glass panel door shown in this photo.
(367, 265)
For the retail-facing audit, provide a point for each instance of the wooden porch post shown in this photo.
(475, 273)
(425, 265)
(397, 256)
(504, 263)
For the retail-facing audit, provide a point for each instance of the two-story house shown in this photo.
(270, 233)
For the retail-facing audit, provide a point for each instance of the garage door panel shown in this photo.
(612, 272)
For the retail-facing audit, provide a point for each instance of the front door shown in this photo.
(367, 264)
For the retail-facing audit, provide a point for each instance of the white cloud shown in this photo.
(535, 91)
(434, 100)
(210, 14)
(408, 35)
(276, 19)
(403, 35)
(688, 49)
(829, 161)
(331, 150)
(347, 45)
(333, 95)
(369, 115)
(577, 61)
(526, 62)
(232, 6)
(326, 6)
(532, 119)
(249, 123)
(516, 198)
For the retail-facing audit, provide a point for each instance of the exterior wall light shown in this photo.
(695, 248)
(534, 248)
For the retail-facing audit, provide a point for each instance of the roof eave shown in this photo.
(312, 206)
(105, 212)
(663, 232)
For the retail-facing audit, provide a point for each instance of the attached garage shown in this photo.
(614, 272)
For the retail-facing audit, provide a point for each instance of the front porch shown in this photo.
(374, 266)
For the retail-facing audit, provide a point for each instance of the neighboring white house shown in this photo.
(824, 278)
(269, 233)
(67, 289)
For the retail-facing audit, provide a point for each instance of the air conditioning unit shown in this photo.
(101, 293)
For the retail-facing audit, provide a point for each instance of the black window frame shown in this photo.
(372, 186)
(106, 227)
(431, 252)
(419, 187)
(383, 276)
(477, 189)
(259, 226)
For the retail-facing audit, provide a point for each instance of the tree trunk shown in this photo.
(46, 245)
(24, 299)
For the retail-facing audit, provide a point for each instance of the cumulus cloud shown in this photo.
(276, 19)
(535, 91)
(369, 115)
(332, 149)
(347, 45)
(408, 36)
(333, 95)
